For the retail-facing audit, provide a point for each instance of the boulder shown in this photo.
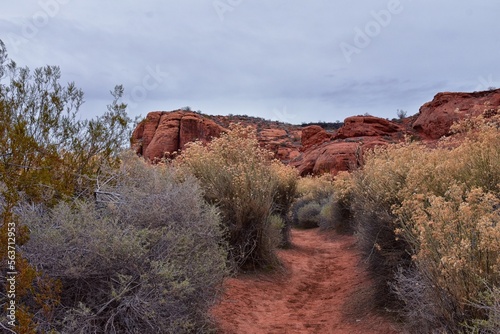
(367, 126)
(323, 152)
(314, 135)
(436, 117)
(162, 133)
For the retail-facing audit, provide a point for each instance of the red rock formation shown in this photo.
(328, 157)
(361, 126)
(436, 117)
(324, 152)
(314, 135)
(278, 141)
(162, 132)
(312, 149)
(360, 133)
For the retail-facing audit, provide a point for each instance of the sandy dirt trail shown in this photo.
(323, 289)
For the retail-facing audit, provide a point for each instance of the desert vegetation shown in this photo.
(427, 221)
(323, 201)
(100, 241)
(148, 259)
(253, 192)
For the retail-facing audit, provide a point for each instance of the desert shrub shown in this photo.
(242, 180)
(375, 191)
(47, 154)
(316, 187)
(327, 215)
(150, 258)
(285, 193)
(313, 192)
(490, 304)
(418, 295)
(308, 215)
(428, 223)
(336, 214)
(274, 231)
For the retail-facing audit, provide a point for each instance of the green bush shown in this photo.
(243, 181)
(308, 215)
(150, 258)
(48, 153)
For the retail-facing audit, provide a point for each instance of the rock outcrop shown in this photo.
(333, 152)
(163, 133)
(312, 149)
(368, 126)
(283, 143)
(436, 117)
(314, 135)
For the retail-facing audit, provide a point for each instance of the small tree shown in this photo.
(47, 154)
(401, 113)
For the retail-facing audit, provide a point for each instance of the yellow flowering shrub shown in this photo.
(428, 220)
(315, 186)
(247, 185)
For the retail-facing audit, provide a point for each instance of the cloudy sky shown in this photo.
(288, 60)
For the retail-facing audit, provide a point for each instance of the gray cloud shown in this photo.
(279, 59)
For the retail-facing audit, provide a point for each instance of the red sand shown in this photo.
(322, 290)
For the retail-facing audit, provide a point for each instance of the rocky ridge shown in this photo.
(312, 149)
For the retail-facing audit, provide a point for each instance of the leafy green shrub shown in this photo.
(241, 179)
(150, 259)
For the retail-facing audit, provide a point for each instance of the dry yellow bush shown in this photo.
(247, 185)
(442, 206)
(315, 186)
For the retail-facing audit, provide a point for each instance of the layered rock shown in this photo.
(284, 144)
(313, 135)
(163, 132)
(368, 126)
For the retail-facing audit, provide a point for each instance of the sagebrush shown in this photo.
(148, 259)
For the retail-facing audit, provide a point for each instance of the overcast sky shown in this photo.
(288, 60)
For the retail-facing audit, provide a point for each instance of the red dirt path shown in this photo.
(322, 290)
